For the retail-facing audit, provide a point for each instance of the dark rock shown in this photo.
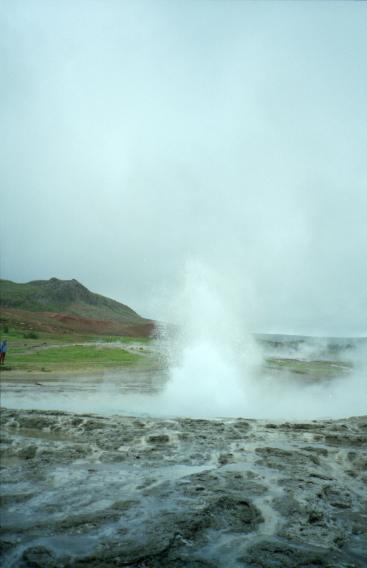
(282, 554)
(38, 557)
(158, 439)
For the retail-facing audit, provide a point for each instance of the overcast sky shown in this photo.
(138, 135)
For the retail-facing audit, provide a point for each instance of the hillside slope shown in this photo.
(66, 304)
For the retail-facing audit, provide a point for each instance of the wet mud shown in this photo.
(88, 490)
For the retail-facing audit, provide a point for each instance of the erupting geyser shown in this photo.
(216, 368)
(212, 358)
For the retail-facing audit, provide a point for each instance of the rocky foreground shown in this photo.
(86, 490)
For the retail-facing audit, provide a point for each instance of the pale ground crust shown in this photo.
(89, 490)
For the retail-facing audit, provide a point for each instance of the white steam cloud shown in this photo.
(215, 365)
(216, 369)
(214, 355)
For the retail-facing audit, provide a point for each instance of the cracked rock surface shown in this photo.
(88, 490)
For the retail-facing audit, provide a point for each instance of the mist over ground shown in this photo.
(204, 163)
(215, 369)
(138, 135)
(211, 366)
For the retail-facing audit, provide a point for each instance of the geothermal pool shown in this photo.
(162, 468)
(267, 395)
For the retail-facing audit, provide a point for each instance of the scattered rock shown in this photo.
(169, 493)
(158, 439)
(38, 557)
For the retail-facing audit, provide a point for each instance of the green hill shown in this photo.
(66, 296)
(66, 303)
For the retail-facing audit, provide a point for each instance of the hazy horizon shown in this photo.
(140, 137)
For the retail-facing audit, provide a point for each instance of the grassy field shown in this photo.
(48, 352)
(314, 369)
(21, 337)
(71, 357)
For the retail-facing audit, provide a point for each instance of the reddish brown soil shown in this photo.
(66, 323)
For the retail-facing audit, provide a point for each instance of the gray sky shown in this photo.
(137, 135)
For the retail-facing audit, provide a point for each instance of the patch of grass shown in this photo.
(15, 336)
(11, 333)
(30, 335)
(317, 369)
(118, 339)
(72, 357)
(143, 340)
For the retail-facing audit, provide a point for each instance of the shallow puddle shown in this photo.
(152, 393)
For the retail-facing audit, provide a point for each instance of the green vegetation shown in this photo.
(64, 296)
(30, 335)
(11, 333)
(16, 338)
(71, 357)
(49, 351)
(314, 369)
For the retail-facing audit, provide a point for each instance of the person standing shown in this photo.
(3, 351)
